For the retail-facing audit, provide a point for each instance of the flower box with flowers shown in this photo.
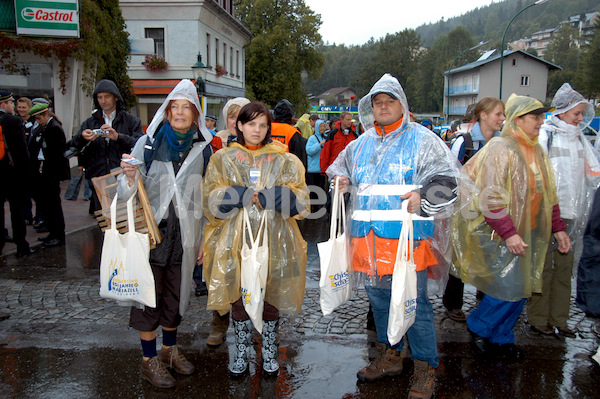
(220, 70)
(155, 63)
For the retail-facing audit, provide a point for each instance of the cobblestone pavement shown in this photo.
(42, 302)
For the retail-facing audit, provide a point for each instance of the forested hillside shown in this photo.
(419, 57)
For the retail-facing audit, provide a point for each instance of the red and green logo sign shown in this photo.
(47, 17)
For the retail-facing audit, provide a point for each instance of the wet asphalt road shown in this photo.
(63, 341)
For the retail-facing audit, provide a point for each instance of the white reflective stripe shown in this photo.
(386, 189)
(393, 215)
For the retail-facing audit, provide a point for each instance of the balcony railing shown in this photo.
(464, 89)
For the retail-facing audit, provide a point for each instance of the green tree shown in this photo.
(395, 53)
(587, 76)
(562, 51)
(285, 34)
(107, 46)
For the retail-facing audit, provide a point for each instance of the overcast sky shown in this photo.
(343, 23)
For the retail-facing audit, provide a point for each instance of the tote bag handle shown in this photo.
(339, 209)
(247, 228)
(406, 239)
(130, 215)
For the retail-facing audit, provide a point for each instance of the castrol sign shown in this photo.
(47, 17)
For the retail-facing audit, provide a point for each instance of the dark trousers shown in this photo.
(52, 207)
(167, 282)
(15, 196)
(453, 296)
(238, 312)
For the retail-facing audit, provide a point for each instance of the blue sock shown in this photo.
(149, 348)
(169, 337)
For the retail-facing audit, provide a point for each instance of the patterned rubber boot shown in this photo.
(242, 346)
(270, 347)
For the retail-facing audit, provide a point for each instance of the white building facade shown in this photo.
(180, 30)
(523, 74)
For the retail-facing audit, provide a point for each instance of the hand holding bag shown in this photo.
(125, 273)
(403, 304)
(335, 277)
(255, 269)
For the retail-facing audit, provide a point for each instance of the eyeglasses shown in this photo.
(539, 117)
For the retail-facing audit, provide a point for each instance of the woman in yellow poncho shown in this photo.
(256, 173)
(501, 239)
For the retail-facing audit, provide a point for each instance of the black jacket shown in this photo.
(15, 163)
(102, 155)
(51, 140)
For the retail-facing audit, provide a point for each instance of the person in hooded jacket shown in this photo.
(230, 113)
(577, 172)
(395, 167)
(253, 178)
(314, 145)
(338, 138)
(102, 153)
(488, 116)
(174, 154)
(501, 241)
(283, 130)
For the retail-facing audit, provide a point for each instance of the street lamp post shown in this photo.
(198, 68)
(504, 36)
(448, 78)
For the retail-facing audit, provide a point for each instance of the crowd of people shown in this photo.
(500, 208)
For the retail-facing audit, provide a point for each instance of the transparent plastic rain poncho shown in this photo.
(223, 236)
(514, 174)
(383, 167)
(575, 161)
(183, 189)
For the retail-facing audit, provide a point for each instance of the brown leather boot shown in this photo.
(154, 371)
(388, 363)
(220, 324)
(422, 381)
(172, 358)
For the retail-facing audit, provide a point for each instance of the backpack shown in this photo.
(469, 149)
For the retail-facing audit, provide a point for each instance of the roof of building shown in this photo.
(586, 17)
(480, 62)
(334, 91)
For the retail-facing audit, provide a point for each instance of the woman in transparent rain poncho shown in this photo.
(174, 154)
(577, 172)
(394, 162)
(500, 241)
(255, 173)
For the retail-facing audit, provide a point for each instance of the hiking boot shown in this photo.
(388, 363)
(544, 330)
(242, 346)
(220, 324)
(174, 359)
(567, 332)
(422, 381)
(456, 315)
(155, 372)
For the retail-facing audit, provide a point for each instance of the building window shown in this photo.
(525, 80)
(514, 62)
(216, 51)
(158, 34)
(208, 50)
(237, 63)
(231, 61)
(225, 56)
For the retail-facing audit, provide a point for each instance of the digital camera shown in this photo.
(100, 132)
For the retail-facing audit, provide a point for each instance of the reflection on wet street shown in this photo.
(63, 341)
